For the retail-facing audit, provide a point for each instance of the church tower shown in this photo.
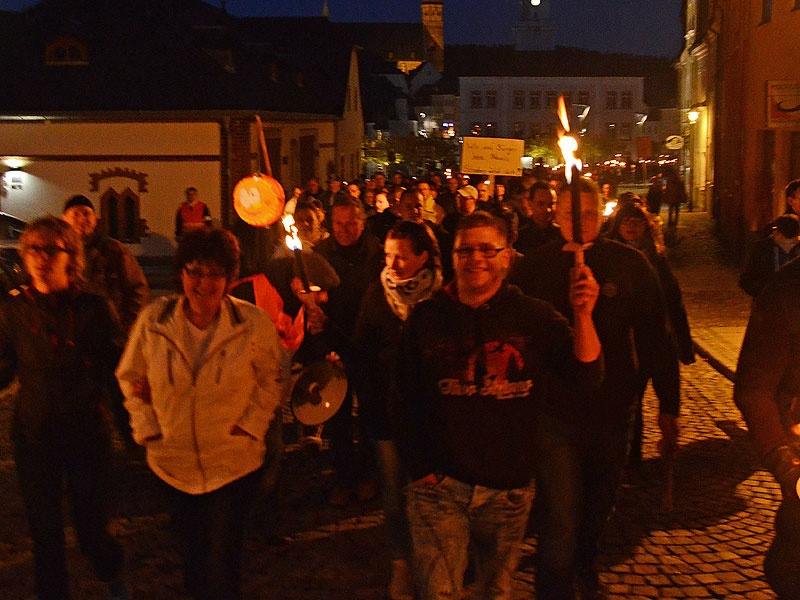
(535, 29)
(433, 27)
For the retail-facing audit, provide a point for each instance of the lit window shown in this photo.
(611, 128)
(475, 129)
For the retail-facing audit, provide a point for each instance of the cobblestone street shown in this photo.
(709, 545)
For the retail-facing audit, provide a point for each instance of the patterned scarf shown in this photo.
(403, 294)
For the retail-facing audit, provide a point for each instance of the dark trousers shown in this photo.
(349, 445)
(576, 483)
(782, 562)
(210, 532)
(75, 449)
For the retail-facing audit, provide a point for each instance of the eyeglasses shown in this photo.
(198, 273)
(50, 250)
(484, 251)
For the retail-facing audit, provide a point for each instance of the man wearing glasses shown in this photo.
(476, 360)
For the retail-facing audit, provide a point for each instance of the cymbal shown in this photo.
(318, 392)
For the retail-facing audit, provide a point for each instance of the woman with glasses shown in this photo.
(59, 342)
(201, 381)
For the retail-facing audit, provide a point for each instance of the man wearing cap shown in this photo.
(112, 272)
(466, 199)
(192, 214)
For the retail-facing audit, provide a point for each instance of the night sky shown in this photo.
(631, 26)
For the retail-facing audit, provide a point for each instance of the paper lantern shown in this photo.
(258, 200)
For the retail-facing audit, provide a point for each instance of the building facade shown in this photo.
(131, 121)
(606, 109)
(742, 89)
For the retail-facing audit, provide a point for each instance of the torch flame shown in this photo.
(567, 143)
(292, 239)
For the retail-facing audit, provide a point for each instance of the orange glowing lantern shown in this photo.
(258, 200)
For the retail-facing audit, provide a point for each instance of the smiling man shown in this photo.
(476, 361)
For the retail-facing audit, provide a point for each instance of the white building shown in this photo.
(524, 107)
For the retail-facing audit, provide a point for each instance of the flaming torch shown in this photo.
(296, 246)
(572, 170)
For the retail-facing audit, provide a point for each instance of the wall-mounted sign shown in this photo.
(783, 104)
(492, 156)
(673, 142)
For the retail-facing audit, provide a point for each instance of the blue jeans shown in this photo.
(450, 516)
(578, 472)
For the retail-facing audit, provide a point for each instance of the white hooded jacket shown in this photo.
(238, 384)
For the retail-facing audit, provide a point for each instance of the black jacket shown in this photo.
(767, 388)
(63, 347)
(472, 380)
(630, 317)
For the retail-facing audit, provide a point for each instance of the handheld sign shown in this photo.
(495, 156)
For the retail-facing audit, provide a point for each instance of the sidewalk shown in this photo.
(717, 307)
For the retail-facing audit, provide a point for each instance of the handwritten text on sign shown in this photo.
(492, 156)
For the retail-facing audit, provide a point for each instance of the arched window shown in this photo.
(119, 215)
(66, 51)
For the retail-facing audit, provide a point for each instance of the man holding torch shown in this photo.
(582, 439)
(477, 360)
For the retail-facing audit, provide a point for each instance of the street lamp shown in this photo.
(693, 115)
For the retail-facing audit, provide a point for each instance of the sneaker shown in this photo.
(400, 584)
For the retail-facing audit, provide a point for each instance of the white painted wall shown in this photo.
(57, 173)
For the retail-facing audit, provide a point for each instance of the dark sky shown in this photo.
(632, 26)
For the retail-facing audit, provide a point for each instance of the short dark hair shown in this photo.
(217, 246)
(348, 202)
(421, 238)
(481, 218)
(191, 188)
(540, 185)
(788, 225)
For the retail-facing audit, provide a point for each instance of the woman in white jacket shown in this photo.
(201, 381)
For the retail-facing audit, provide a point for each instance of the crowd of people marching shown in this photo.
(480, 356)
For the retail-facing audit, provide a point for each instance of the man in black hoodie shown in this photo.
(476, 361)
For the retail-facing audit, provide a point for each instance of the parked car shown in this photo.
(11, 272)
